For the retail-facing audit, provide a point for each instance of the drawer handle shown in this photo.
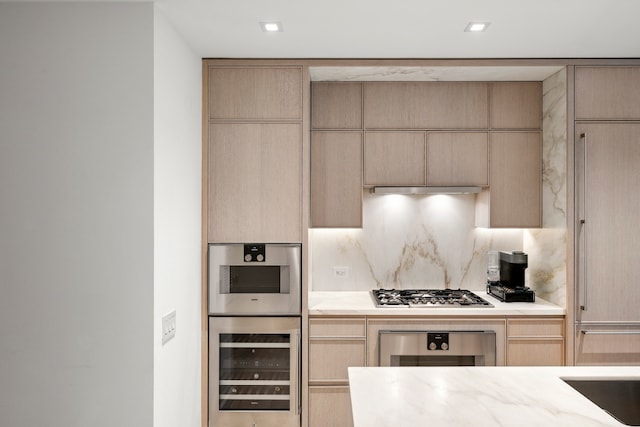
(586, 332)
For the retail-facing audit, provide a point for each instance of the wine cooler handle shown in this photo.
(298, 378)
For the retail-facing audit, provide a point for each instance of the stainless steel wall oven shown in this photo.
(437, 348)
(254, 279)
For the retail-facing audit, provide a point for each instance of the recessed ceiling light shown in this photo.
(476, 27)
(271, 27)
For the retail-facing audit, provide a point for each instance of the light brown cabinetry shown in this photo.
(607, 345)
(336, 105)
(336, 154)
(336, 179)
(535, 341)
(394, 158)
(607, 182)
(254, 182)
(515, 195)
(457, 159)
(254, 93)
(335, 344)
(607, 93)
(254, 153)
(425, 105)
(516, 105)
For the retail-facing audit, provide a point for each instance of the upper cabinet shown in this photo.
(516, 105)
(336, 105)
(439, 134)
(336, 154)
(425, 105)
(458, 159)
(514, 198)
(607, 93)
(254, 154)
(394, 158)
(336, 179)
(254, 185)
(254, 93)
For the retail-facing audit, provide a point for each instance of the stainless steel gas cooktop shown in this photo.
(427, 298)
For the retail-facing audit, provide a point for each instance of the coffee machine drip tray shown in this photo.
(507, 294)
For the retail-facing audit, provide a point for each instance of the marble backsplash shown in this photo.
(432, 242)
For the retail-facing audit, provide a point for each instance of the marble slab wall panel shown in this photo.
(547, 247)
(409, 242)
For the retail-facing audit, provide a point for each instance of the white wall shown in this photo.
(177, 213)
(76, 214)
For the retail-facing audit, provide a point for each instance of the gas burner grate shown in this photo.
(427, 298)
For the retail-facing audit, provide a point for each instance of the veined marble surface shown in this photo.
(432, 242)
(477, 396)
(362, 303)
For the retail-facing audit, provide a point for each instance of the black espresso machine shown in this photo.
(511, 286)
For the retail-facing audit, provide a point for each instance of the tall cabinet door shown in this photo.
(255, 174)
(608, 202)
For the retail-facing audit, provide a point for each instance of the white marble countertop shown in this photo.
(477, 396)
(361, 303)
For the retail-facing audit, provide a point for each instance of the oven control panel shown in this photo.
(438, 341)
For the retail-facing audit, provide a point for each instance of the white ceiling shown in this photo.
(408, 28)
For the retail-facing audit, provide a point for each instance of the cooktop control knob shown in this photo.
(444, 346)
(432, 346)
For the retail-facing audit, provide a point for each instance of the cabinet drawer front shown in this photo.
(329, 359)
(255, 93)
(535, 353)
(330, 407)
(337, 328)
(600, 346)
(535, 327)
(607, 93)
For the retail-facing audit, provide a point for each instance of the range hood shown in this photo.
(425, 190)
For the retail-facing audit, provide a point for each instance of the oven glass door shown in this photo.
(254, 279)
(255, 372)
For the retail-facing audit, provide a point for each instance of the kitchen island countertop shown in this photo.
(478, 396)
(350, 303)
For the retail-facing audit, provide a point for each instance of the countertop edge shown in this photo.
(360, 303)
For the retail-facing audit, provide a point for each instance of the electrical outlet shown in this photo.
(168, 327)
(341, 272)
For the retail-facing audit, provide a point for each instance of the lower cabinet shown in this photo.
(607, 345)
(535, 341)
(335, 344)
(330, 406)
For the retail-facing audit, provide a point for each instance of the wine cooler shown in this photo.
(254, 371)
